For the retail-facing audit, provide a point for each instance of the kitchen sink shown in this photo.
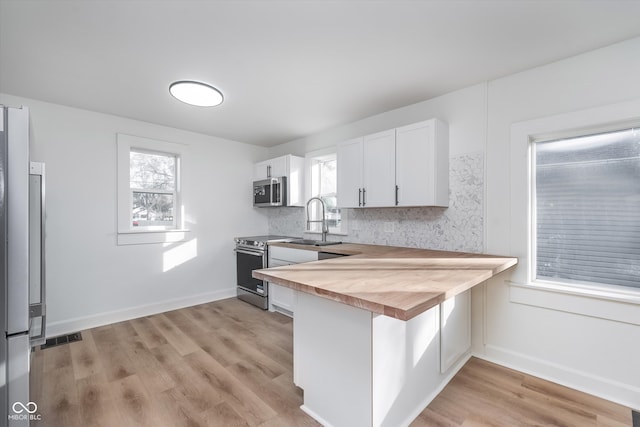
(311, 242)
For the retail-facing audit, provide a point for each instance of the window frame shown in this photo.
(126, 233)
(612, 302)
(310, 159)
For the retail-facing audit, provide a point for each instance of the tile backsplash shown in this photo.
(457, 228)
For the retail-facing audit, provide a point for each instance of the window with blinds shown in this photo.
(587, 209)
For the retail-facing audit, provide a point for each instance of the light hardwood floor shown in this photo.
(229, 364)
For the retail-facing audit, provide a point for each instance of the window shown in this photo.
(586, 209)
(322, 169)
(586, 161)
(149, 196)
(152, 180)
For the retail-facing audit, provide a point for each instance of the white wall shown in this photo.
(464, 111)
(91, 280)
(593, 354)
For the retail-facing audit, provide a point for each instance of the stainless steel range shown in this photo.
(252, 253)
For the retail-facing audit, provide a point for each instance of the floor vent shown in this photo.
(62, 339)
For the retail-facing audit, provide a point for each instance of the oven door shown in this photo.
(248, 260)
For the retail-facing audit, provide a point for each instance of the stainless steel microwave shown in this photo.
(270, 192)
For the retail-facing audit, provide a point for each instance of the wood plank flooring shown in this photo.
(227, 363)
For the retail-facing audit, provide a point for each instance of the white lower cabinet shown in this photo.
(455, 329)
(362, 369)
(281, 298)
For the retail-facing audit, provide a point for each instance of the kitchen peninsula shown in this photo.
(379, 333)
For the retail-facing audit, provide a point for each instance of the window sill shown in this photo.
(611, 303)
(141, 237)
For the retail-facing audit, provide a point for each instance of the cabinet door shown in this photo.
(285, 256)
(283, 299)
(349, 164)
(270, 168)
(422, 156)
(279, 166)
(379, 169)
(455, 329)
(260, 170)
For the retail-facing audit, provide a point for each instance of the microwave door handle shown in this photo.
(271, 192)
(274, 182)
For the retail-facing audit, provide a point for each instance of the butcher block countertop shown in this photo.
(394, 281)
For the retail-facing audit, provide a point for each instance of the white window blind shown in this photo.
(587, 209)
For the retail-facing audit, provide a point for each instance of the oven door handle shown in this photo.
(241, 251)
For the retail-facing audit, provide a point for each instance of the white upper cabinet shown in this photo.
(271, 168)
(289, 166)
(366, 171)
(407, 166)
(422, 164)
(349, 165)
(379, 169)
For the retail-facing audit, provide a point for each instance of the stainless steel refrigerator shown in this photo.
(22, 272)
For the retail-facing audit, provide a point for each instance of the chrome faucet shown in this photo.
(325, 228)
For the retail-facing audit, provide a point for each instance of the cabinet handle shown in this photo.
(397, 195)
(359, 196)
(364, 196)
(268, 171)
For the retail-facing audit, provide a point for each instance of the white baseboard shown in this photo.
(614, 391)
(315, 416)
(462, 360)
(80, 323)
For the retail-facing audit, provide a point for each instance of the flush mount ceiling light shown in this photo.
(196, 93)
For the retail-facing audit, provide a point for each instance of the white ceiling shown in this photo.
(287, 68)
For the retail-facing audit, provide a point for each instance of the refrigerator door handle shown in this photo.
(38, 309)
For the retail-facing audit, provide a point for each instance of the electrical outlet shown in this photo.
(388, 227)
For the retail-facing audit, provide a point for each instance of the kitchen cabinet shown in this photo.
(349, 164)
(379, 169)
(289, 166)
(455, 329)
(271, 168)
(373, 349)
(282, 299)
(422, 164)
(389, 368)
(366, 171)
(407, 166)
